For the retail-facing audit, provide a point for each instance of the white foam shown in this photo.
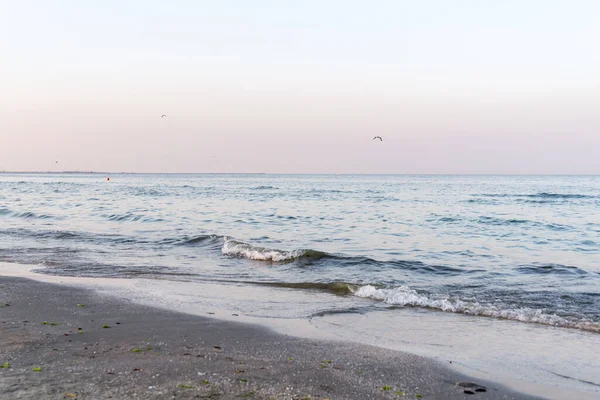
(405, 296)
(239, 249)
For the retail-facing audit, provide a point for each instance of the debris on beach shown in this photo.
(471, 387)
(185, 386)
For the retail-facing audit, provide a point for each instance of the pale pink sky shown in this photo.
(513, 88)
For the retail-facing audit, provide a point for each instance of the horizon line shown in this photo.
(296, 173)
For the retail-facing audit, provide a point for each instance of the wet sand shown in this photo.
(91, 346)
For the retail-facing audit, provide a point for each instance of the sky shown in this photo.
(462, 86)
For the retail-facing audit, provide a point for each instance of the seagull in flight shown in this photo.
(164, 115)
(378, 137)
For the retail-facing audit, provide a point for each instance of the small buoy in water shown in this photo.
(108, 178)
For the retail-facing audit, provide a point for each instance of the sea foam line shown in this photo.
(405, 296)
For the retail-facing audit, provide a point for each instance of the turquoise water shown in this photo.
(525, 248)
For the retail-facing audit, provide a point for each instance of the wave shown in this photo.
(61, 183)
(562, 196)
(327, 191)
(61, 235)
(483, 219)
(233, 248)
(542, 195)
(413, 266)
(551, 269)
(449, 219)
(148, 192)
(264, 188)
(24, 214)
(500, 221)
(489, 201)
(238, 249)
(515, 221)
(203, 240)
(404, 296)
(130, 217)
(81, 237)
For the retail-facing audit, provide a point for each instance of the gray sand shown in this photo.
(148, 353)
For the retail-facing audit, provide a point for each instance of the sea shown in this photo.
(516, 252)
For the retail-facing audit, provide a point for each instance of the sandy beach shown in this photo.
(299, 200)
(64, 342)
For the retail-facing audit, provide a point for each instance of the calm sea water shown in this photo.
(514, 247)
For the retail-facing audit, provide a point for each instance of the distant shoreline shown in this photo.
(58, 172)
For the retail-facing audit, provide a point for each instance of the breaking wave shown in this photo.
(406, 297)
(233, 248)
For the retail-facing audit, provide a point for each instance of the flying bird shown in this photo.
(162, 116)
(378, 137)
(55, 162)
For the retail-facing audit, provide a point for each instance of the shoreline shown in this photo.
(155, 353)
(521, 357)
